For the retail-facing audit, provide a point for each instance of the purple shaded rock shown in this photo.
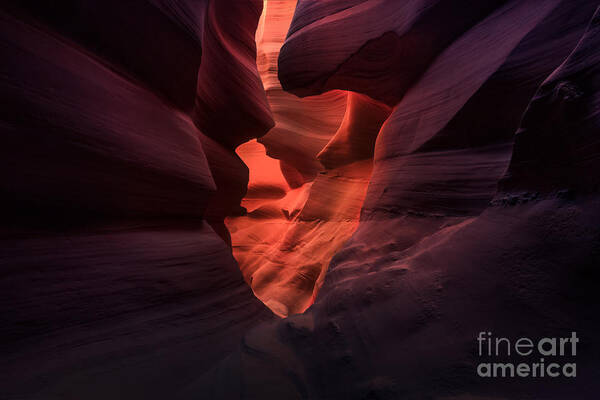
(231, 105)
(158, 42)
(79, 138)
(558, 143)
(379, 48)
(131, 310)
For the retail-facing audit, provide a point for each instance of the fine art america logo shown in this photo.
(550, 355)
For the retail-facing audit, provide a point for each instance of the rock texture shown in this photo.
(167, 63)
(131, 310)
(390, 45)
(104, 135)
(286, 239)
(230, 175)
(441, 152)
(452, 190)
(440, 252)
(231, 106)
(302, 126)
(557, 144)
(116, 277)
(298, 217)
(355, 138)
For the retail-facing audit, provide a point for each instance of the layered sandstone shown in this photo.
(438, 178)
(459, 230)
(117, 278)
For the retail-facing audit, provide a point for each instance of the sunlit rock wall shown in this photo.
(286, 237)
(460, 232)
(302, 126)
(302, 208)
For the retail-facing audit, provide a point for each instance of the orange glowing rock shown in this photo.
(297, 218)
(285, 241)
(302, 126)
(355, 138)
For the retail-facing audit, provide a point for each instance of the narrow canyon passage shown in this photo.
(308, 179)
(285, 241)
(311, 199)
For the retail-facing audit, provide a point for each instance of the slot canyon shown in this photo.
(297, 213)
(296, 199)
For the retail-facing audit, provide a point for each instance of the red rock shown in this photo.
(231, 106)
(355, 138)
(284, 244)
(77, 138)
(407, 323)
(109, 264)
(449, 138)
(302, 126)
(379, 48)
(230, 175)
(158, 42)
(97, 311)
(439, 254)
(116, 286)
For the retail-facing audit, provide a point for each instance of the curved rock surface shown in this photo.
(355, 138)
(288, 236)
(170, 62)
(167, 63)
(230, 175)
(557, 144)
(448, 142)
(231, 106)
(441, 254)
(404, 325)
(375, 47)
(298, 217)
(104, 135)
(114, 282)
(116, 266)
(131, 310)
(302, 126)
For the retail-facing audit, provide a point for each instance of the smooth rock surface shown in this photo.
(124, 35)
(440, 253)
(114, 282)
(288, 236)
(231, 105)
(302, 126)
(74, 131)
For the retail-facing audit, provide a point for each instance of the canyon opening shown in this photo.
(304, 203)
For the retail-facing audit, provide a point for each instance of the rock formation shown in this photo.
(298, 216)
(114, 284)
(440, 253)
(302, 126)
(167, 196)
(286, 239)
(231, 106)
(355, 138)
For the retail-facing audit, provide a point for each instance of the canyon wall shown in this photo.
(300, 210)
(466, 227)
(392, 177)
(117, 280)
